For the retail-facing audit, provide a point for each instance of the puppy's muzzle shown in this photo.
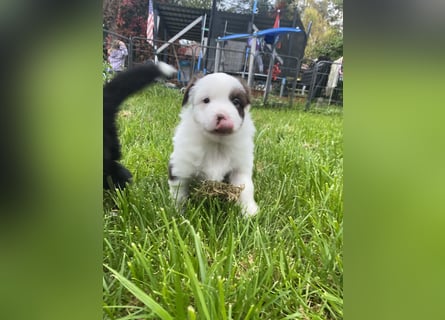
(224, 125)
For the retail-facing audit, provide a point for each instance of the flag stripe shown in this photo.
(150, 22)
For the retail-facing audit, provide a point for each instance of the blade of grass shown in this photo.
(141, 296)
(196, 287)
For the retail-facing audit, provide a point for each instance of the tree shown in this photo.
(132, 18)
(330, 45)
(202, 4)
(335, 14)
(245, 6)
(110, 9)
(326, 34)
(235, 6)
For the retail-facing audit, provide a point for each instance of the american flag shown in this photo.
(277, 25)
(277, 20)
(150, 22)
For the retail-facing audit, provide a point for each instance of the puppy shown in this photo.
(214, 139)
(114, 93)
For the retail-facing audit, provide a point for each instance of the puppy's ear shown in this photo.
(185, 99)
(247, 89)
(191, 83)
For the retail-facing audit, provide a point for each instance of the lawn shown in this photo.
(211, 262)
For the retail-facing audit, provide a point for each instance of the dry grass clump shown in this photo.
(222, 190)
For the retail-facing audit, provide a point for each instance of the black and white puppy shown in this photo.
(214, 139)
(114, 93)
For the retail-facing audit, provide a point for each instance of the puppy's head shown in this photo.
(219, 102)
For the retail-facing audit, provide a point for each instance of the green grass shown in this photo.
(211, 262)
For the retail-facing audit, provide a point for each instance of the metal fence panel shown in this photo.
(292, 79)
(325, 82)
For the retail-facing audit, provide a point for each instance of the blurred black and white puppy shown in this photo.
(114, 93)
(214, 139)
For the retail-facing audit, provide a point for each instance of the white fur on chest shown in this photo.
(215, 163)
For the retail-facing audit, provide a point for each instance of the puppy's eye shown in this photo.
(206, 100)
(236, 102)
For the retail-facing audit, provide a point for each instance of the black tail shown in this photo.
(114, 93)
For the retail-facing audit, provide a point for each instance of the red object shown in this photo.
(277, 20)
(276, 71)
(277, 25)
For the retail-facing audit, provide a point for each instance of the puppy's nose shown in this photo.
(220, 117)
(223, 124)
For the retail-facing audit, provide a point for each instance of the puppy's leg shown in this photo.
(115, 175)
(178, 187)
(246, 199)
(179, 191)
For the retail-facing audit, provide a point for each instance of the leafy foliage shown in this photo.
(331, 45)
(106, 74)
(204, 4)
(132, 18)
(326, 34)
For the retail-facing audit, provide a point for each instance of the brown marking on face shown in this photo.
(171, 177)
(240, 99)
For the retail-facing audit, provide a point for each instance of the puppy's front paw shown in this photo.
(250, 209)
